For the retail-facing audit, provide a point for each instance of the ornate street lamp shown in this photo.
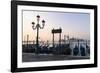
(38, 27)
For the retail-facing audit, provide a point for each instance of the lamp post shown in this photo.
(38, 27)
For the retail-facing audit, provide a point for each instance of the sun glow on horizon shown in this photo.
(73, 24)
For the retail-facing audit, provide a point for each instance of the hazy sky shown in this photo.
(72, 24)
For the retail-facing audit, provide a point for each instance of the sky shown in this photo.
(73, 24)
